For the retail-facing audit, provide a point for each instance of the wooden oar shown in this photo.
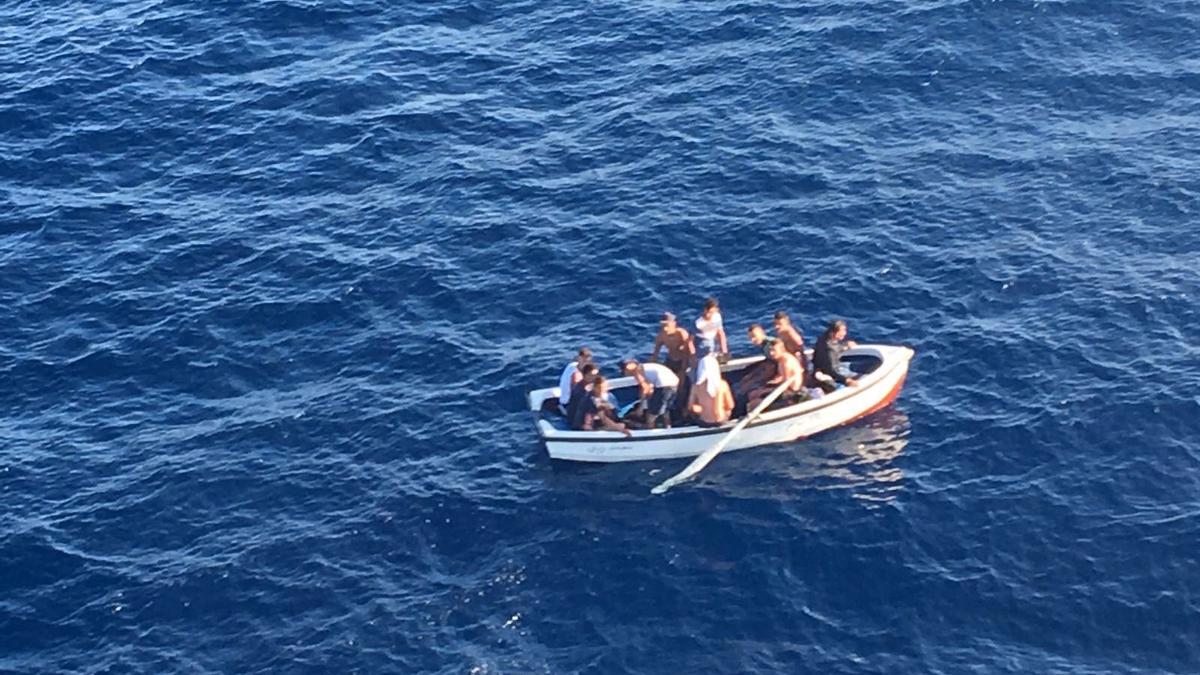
(707, 456)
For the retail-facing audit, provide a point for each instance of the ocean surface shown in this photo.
(276, 275)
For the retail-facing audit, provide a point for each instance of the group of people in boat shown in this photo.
(688, 386)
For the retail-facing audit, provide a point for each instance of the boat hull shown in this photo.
(875, 391)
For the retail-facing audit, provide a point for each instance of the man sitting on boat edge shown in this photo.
(580, 395)
(571, 376)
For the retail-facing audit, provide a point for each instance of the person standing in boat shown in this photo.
(658, 387)
(792, 338)
(787, 368)
(678, 344)
(710, 331)
(827, 355)
(598, 414)
(710, 401)
(571, 377)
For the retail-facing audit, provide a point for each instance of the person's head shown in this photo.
(710, 307)
(782, 320)
(757, 334)
(632, 367)
(584, 356)
(599, 387)
(836, 329)
(667, 322)
(589, 372)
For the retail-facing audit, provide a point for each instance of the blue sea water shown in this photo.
(275, 276)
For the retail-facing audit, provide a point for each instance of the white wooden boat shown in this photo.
(880, 370)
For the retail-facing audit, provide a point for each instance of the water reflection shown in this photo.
(860, 458)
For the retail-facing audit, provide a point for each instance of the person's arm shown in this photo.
(692, 405)
(726, 401)
(613, 425)
(722, 341)
(658, 345)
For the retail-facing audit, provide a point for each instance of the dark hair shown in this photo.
(753, 326)
(588, 368)
(585, 352)
(781, 315)
(600, 379)
(709, 303)
(834, 326)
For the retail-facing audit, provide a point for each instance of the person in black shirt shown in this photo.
(581, 394)
(827, 354)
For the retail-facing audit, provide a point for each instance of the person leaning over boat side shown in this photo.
(678, 344)
(711, 400)
(792, 338)
(710, 331)
(571, 377)
(580, 395)
(658, 387)
(598, 414)
(827, 355)
(787, 368)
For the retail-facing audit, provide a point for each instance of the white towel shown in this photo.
(708, 374)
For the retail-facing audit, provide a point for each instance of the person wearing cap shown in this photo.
(710, 331)
(571, 377)
(678, 343)
(657, 387)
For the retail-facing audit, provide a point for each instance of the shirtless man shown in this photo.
(711, 401)
(787, 367)
(792, 338)
(678, 343)
(598, 414)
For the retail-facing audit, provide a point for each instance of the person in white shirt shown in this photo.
(571, 377)
(710, 331)
(658, 387)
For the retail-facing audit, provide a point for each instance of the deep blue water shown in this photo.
(275, 276)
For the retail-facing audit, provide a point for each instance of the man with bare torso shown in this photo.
(791, 336)
(678, 343)
(787, 369)
(710, 401)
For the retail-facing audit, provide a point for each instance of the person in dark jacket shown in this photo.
(581, 393)
(827, 354)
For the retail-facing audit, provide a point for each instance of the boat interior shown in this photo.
(625, 388)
